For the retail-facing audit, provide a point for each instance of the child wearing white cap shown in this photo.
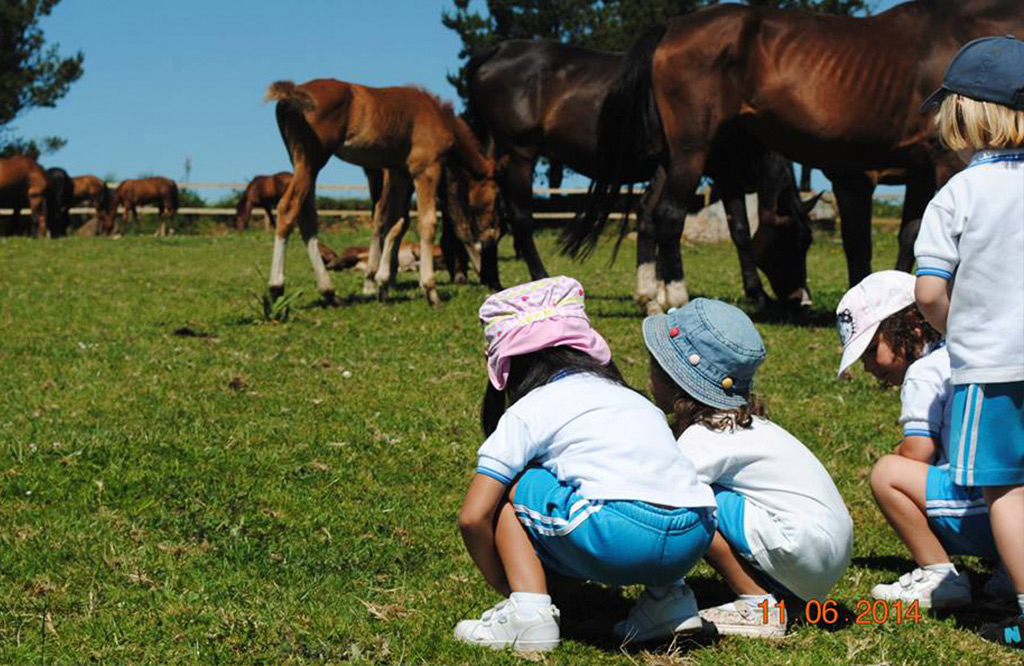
(879, 324)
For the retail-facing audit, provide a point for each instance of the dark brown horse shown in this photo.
(60, 200)
(91, 190)
(23, 184)
(264, 192)
(838, 93)
(536, 98)
(405, 131)
(163, 192)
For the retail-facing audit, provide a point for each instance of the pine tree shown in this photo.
(32, 72)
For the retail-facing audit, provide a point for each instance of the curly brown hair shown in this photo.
(907, 333)
(688, 411)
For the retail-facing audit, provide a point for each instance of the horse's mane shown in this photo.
(468, 150)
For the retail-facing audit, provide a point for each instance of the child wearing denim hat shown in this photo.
(783, 528)
(879, 324)
(970, 286)
(579, 474)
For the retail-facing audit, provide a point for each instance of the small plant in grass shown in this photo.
(279, 309)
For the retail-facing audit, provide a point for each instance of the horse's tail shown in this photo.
(629, 135)
(471, 114)
(286, 92)
(173, 196)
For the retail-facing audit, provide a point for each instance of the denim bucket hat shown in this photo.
(709, 348)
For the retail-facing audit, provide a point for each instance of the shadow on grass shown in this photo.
(896, 565)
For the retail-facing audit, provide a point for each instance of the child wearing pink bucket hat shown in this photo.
(579, 474)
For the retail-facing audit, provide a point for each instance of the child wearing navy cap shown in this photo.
(970, 285)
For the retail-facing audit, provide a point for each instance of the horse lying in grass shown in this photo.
(23, 184)
(409, 134)
(262, 192)
(163, 192)
(357, 258)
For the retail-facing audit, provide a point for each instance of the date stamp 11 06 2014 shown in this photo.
(867, 611)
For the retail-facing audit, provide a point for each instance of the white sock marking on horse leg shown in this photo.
(323, 280)
(800, 294)
(277, 265)
(646, 283)
(676, 294)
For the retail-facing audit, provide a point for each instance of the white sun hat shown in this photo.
(865, 306)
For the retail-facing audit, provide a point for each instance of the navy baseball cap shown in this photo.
(990, 69)
(709, 348)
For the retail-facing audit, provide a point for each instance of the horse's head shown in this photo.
(481, 199)
(780, 250)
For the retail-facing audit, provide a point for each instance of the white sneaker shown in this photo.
(506, 626)
(999, 585)
(653, 617)
(929, 588)
(738, 618)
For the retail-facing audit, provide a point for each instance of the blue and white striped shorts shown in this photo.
(618, 542)
(987, 434)
(958, 516)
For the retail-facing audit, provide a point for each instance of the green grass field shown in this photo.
(181, 482)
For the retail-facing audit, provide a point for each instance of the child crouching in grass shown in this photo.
(879, 324)
(783, 529)
(579, 474)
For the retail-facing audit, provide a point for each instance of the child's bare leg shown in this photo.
(899, 485)
(1006, 511)
(738, 574)
(523, 568)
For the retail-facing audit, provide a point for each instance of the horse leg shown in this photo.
(426, 197)
(518, 190)
(393, 223)
(161, 230)
(242, 221)
(37, 204)
(735, 203)
(380, 184)
(920, 189)
(308, 227)
(288, 211)
(853, 196)
(456, 259)
(268, 224)
(646, 294)
(670, 218)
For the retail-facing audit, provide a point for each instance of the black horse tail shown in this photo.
(471, 115)
(629, 136)
(174, 197)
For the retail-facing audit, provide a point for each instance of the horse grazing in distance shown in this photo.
(61, 198)
(409, 134)
(536, 98)
(263, 192)
(91, 190)
(23, 184)
(837, 93)
(163, 192)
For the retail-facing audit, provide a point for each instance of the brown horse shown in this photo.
(838, 93)
(23, 184)
(405, 131)
(153, 190)
(91, 190)
(264, 192)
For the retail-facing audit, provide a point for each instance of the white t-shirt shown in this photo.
(604, 439)
(973, 233)
(795, 521)
(927, 401)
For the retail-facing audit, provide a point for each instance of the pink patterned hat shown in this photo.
(534, 316)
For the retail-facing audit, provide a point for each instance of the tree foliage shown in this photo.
(607, 25)
(32, 72)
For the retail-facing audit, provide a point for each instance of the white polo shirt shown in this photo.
(973, 234)
(926, 400)
(604, 439)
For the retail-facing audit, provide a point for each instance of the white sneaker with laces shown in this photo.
(506, 626)
(653, 616)
(738, 618)
(930, 589)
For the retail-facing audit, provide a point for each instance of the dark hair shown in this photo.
(908, 333)
(688, 411)
(529, 371)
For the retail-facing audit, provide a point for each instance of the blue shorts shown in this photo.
(731, 512)
(987, 434)
(958, 516)
(618, 542)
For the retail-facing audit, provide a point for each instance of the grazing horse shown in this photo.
(61, 199)
(536, 98)
(23, 184)
(837, 93)
(154, 190)
(264, 192)
(93, 191)
(409, 134)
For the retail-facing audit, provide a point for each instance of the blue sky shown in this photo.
(165, 81)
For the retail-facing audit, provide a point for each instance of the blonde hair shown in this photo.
(964, 122)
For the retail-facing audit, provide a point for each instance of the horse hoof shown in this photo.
(653, 307)
(382, 293)
(328, 297)
(460, 278)
(433, 298)
(275, 292)
(369, 287)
